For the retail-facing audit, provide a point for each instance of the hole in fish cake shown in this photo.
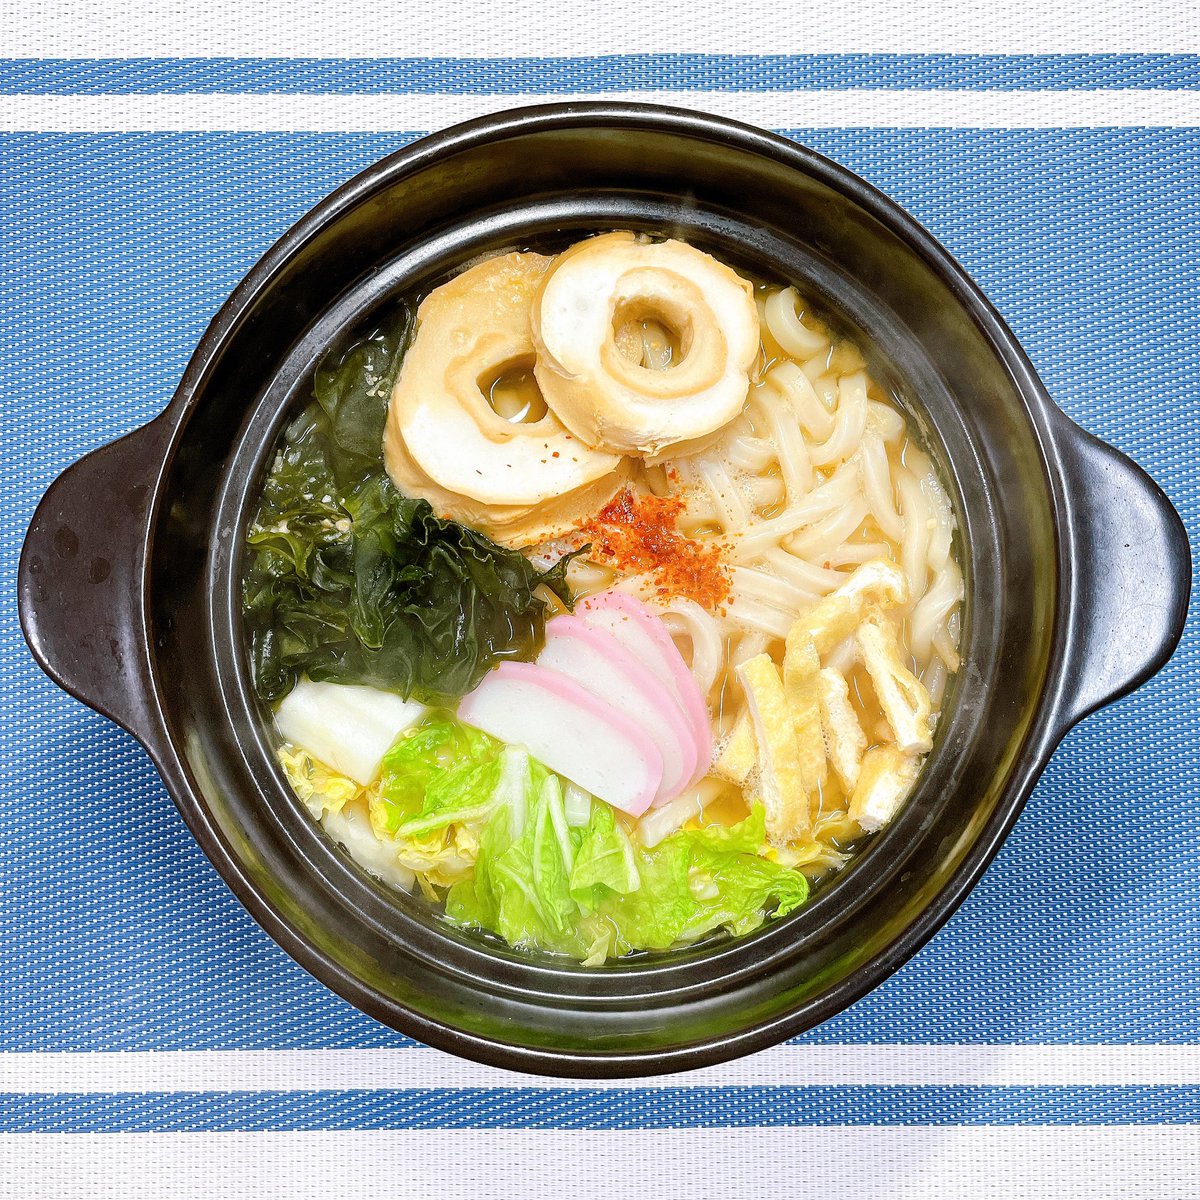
(512, 392)
(648, 337)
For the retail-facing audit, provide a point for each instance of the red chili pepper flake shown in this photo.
(640, 534)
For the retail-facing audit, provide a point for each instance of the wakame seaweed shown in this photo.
(349, 581)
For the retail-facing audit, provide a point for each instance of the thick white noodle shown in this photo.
(660, 823)
(763, 491)
(878, 486)
(786, 327)
(790, 448)
(746, 647)
(823, 501)
(751, 453)
(886, 421)
(688, 619)
(935, 677)
(755, 616)
(770, 588)
(796, 388)
(945, 646)
(853, 554)
(810, 577)
(843, 656)
(849, 423)
(727, 498)
(586, 578)
(824, 384)
(931, 611)
(914, 546)
(819, 540)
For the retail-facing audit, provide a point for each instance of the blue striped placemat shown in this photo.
(154, 1042)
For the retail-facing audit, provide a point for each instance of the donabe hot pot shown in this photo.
(1077, 573)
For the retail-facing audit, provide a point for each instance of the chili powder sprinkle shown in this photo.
(639, 533)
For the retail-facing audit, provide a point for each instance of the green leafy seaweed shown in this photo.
(349, 581)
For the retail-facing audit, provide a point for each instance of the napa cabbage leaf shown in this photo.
(608, 896)
(437, 774)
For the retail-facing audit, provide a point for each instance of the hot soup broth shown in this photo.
(606, 600)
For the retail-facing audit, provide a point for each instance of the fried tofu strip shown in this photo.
(781, 784)
(884, 783)
(739, 755)
(844, 737)
(902, 696)
(800, 670)
(876, 583)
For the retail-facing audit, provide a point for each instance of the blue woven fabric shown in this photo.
(612, 72)
(115, 251)
(551, 1107)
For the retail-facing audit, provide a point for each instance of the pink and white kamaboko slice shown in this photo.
(599, 662)
(570, 730)
(645, 636)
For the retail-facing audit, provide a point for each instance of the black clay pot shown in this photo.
(1077, 573)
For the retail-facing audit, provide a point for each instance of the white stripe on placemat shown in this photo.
(828, 108)
(848, 1163)
(382, 28)
(797, 1066)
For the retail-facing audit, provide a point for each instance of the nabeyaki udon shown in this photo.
(756, 554)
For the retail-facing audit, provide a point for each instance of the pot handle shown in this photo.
(79, 583)
(1132, 575)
